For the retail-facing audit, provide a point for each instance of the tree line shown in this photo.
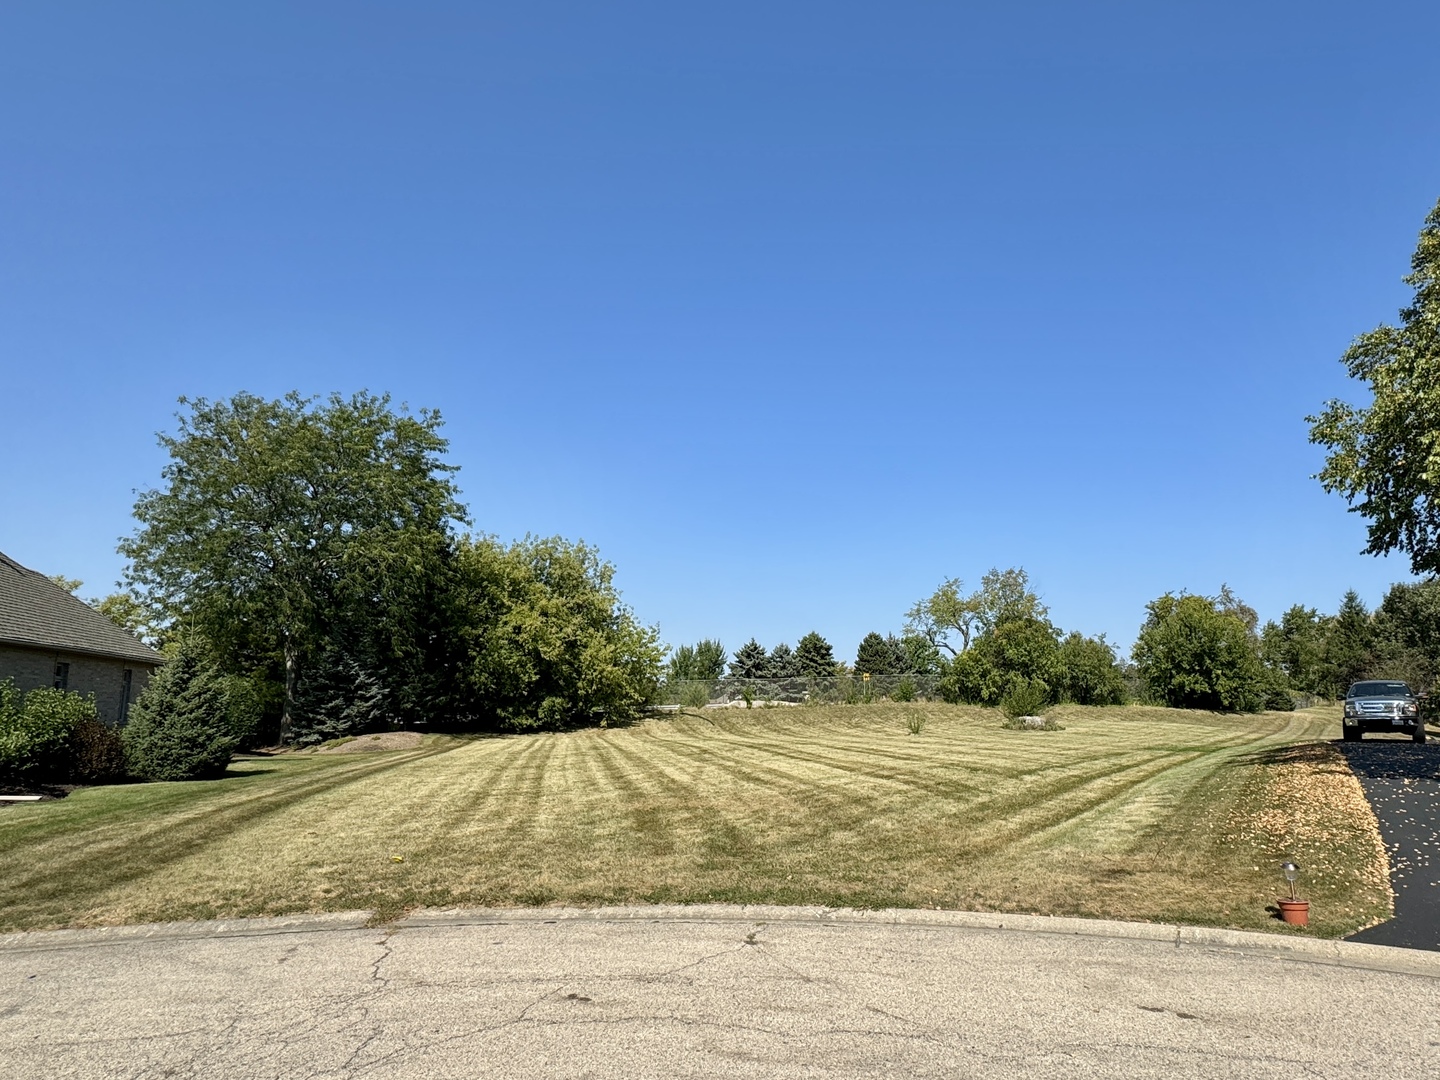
(1192, 651)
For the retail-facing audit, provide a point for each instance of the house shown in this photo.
(50, 638)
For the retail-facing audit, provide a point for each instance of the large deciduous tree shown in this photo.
(1004, 595)
(276, 514)
(1385, 458)
(545, 641)
(1196, 652)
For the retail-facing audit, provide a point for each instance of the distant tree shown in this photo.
(880, 656)
(943, 613)
(1295, 646)
(69, 584)
(1385, 459)
(1017, 651)
(814, 657)
(751, 661)
(947, 615)
(127, 613)
(681, 665)
(1407, 633)
(1193, 653)
(782, 663)
(709, 660)
(921, 657)
(1086, 672)
(1349, 651)
(276, 516)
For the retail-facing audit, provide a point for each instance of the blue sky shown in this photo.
(793, 309)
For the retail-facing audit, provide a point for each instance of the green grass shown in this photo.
(1131, 813)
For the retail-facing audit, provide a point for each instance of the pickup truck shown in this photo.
(1382, 705)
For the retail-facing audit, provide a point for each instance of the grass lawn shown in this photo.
(1131, 813)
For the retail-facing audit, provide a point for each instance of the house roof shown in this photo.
(36, 612)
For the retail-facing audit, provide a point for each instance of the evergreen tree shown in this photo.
(179, 727)
(709, 660)
(782, 662)
(751, 661)
(1349, 644)
(814, 657)
(681, 665)
(880, 656)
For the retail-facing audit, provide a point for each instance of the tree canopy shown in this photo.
(274, 513)
(1384, 458)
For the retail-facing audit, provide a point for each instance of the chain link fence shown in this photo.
(841, 690)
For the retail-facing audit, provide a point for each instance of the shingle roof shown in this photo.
(34, 611)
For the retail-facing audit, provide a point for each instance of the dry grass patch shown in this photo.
(1126, 813)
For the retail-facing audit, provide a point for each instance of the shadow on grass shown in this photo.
(1320, 756)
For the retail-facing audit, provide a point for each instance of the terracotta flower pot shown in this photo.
(1295, 912)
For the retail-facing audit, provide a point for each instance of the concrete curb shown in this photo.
(1299, 949)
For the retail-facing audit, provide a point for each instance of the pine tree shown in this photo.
(750, 662)
(709, 660)
(179, 727)
(879, 656)
(814, 658)
(782, 662)
(1349, 642)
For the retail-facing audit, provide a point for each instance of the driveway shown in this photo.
(1401, 779)
(709, 992)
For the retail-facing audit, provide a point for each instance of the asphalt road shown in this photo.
(1401, 779)
(718, 992)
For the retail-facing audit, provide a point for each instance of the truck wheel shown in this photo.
(1419, 735)
(1351, 733)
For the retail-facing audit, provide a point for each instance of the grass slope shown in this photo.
(1129, 813)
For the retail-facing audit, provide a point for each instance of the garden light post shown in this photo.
(1294, 910)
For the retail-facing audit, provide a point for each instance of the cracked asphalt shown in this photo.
(585, 995)
(1401, 779)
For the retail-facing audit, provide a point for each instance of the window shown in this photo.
(62, 675)
(125, 681)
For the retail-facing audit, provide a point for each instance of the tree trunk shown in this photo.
(287, 714)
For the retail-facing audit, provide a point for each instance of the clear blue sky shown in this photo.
(793, 309)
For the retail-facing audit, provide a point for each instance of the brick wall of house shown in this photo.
(104, 678)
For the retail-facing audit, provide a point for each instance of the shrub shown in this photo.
(35, 731)
(915, 723)
(97, 753)
(1086, 672)
(904, 690)
(1027, 697)
(1020, 650)
(179, 727)
(695, 695)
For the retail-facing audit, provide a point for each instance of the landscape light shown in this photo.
(1291, 872)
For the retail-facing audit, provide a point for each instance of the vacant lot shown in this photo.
(1130, 813)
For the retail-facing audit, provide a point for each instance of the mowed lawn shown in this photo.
(1131, 813)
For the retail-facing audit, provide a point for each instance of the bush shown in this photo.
(695, 695)
(1021, 650)
(97, 753)
(1086, 672)
(179, 727)
(1026, 698)
(904, 690)
(35, 731)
